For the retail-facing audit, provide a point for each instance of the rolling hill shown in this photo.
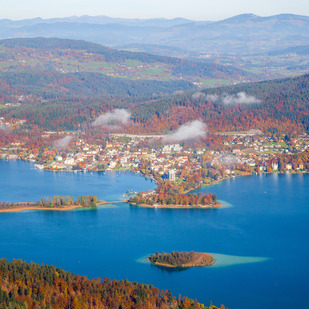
(113, 71)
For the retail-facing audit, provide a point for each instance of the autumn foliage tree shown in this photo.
(24, 285)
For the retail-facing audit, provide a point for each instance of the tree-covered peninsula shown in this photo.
(169, 194)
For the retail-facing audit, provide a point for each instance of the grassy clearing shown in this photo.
(133, 62)
(94, 64)
(215, 82)
(4, 65)
(282, 144)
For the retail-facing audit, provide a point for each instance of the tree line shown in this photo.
(54, 201)
(174, 258)
(24, 285)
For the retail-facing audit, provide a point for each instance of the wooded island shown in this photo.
(182, 259)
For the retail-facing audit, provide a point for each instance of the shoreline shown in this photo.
(215, 182)
(138, 172)
(181, 266)
(19, 209)
(155, 206)
(101, 203)
(172, 206)
(200, 255)
(33, 207)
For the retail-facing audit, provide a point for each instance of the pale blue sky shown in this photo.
(192, 9)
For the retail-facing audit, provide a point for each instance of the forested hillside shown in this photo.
(24, 285)
(46, 85)
(278, 105)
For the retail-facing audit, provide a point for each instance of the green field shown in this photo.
(215, 82)
(133, 62)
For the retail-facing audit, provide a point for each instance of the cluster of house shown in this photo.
(124, 152)
(118, 155)
(262, 152)
(9, 125)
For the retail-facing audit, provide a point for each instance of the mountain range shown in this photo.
(242, 34)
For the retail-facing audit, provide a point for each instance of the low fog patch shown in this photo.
(190, 130)
(113, 119)
(63, 142)
(239, 98)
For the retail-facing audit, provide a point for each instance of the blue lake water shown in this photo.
(21, 182)
(260, 242)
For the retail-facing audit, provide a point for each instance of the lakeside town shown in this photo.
(242, 152)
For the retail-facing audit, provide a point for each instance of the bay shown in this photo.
(259, 241)
(20, 181)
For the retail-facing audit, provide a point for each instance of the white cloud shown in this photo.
(113, 119)
(5, 127)
(189, 130)
(212, 97)
(198, 95)
(63, 142)
(229, 160)
(240, 98)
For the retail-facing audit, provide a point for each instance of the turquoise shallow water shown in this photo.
(260, 242)
(222, 260)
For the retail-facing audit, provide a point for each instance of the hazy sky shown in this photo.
(192, 9)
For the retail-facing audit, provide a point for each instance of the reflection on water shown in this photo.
(143, 260)
(301, 178)
(170, 269)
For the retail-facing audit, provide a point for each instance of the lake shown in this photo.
(259, 239)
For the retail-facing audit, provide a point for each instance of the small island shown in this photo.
(181, 259)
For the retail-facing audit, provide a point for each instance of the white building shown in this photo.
(274, 166)
(289, 166)
(58, 158)
(69, 161)
(172, 175)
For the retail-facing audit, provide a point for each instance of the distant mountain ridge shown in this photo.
(101, 20)
(246, 33)
(298, 50)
